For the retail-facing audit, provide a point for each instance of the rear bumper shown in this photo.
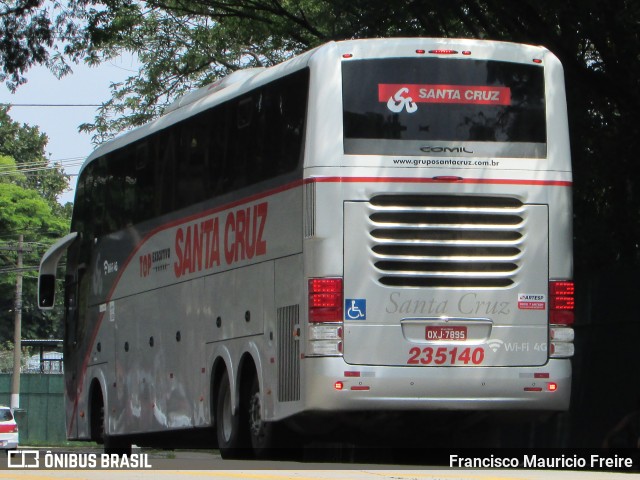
(368, 388)
(8, 441)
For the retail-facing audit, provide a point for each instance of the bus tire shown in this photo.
(97, 419)
(231, 429)
(263, 435)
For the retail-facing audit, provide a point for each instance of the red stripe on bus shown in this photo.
(268, 193)
(155, 231)
(457, 180)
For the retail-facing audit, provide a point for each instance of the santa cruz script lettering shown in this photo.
(230, 239)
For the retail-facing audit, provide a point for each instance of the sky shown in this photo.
(85, 86)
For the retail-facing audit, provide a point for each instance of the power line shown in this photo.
(37, 169)
(49, 105)
(32, 167)
(43, 162)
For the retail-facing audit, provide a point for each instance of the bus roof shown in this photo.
(200, 100)
(242, 81)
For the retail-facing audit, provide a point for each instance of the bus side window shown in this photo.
(286, 117)
(188, 180)
(165, 171)
(119, 185)
(96, 200)
(144, 204)
(240, 141)
(258, 155)
(218, 149)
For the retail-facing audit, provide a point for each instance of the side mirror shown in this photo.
(46, 291)
(48, 267)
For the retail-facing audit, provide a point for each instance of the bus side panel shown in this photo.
(162, 380)
(285, 374)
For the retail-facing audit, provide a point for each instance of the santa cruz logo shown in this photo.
(399, 97)
(398, 102)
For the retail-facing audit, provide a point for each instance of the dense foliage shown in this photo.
(28, 206)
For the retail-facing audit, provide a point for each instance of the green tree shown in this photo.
(30, 32)
(24, 211)
(27, 207)
(9, 172)
(26, 145)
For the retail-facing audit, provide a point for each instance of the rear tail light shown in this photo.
(561, 317)
(9, 428)
(325, 300)
(562, 303)
(326, 307)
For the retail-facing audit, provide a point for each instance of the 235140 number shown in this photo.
(445, 355)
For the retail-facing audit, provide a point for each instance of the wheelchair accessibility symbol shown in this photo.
(355, 308)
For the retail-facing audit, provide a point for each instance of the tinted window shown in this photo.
(253, 138)
(400, 106)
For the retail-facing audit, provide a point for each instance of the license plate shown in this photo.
(446, 333)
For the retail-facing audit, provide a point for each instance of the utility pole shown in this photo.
(17, 331)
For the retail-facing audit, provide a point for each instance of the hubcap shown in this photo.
(255, 420)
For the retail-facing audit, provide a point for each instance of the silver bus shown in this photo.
(372, 226)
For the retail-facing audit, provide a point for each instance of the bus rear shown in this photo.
(438, 254)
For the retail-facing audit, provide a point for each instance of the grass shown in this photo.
(62, 443)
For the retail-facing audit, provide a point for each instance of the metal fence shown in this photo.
(41, 417)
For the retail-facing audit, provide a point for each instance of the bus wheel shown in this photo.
(231, 430)
(263, 434)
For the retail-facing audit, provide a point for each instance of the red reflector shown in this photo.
(532, 389)
(537, 60)
(361, 388)
(347, 55)
(443, 52)
(540, 375)
(325, 300)
(420, 51)
(552, 386)
(338, 385)
(466, 52)
(351, 374)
